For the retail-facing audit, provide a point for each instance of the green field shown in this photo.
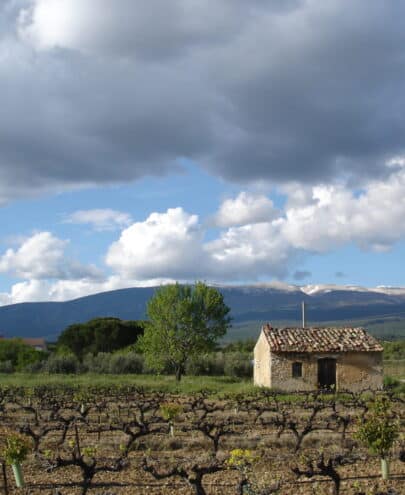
(188, 384)
(395, 369)
(164, 383)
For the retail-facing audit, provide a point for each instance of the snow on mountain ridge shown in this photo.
(325, 288)
(312, 289)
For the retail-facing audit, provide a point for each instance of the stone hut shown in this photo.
(298, 359)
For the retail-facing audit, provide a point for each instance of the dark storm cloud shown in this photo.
(278, 91)
(72, 121)
(321, 100)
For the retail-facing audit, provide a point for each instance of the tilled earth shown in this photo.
(97, 430)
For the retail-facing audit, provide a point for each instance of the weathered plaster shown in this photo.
(262, 359)
(360, 370)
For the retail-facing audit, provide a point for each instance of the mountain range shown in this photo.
(250, 307)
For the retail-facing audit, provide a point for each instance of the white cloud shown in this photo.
(29, 290)
(100, 219)
(42, 256)
(396, 161)
(52, 23)
(250, 252)
(372, 219)
(245, 209)
(5, 299)
(172, 246)
(63, 290)
(315, 219)
(48, 290)
(167, 245)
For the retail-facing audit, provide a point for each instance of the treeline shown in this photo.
(234, 364)
(15, 355)
(110, 345)
(99, 335)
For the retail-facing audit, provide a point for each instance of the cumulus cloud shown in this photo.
(322, 219)
(100, 219)
(250, 251)
(277, 91)
(165, 245)
(171, 245)
(42, 256)
(175, 245)
(336, 216)
(29, 290)
(63, 290)
(245, 209)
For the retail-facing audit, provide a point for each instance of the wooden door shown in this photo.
(327, 373)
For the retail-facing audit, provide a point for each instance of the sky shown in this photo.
(146, 141)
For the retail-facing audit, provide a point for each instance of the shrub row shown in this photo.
(235, 364)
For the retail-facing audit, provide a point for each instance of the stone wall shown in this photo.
(281, 372)
(354, 371)
(360, 370)
(261, 370)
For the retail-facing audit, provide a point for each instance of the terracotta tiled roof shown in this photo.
(320, 340)
(35, 342)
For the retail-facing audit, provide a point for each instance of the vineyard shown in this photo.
(125, 440)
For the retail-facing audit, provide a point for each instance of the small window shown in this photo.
(297, 370)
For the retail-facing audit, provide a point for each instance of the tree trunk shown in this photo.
(5, 481)
(179, 372)
(385, 471)
(197, 486)
(18, 474)
(242, 486)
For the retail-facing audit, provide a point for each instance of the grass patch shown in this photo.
(188, 384)
(395, 368)
(217, 385)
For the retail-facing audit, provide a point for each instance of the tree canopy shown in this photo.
(18, 354)
(100, 335)
(184, 320)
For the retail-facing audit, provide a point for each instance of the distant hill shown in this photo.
(250, 306)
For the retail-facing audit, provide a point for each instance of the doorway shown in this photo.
(327, 373)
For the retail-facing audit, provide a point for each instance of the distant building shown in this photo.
(37, 344)
(299, 359)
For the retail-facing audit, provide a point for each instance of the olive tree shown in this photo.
(184, 320)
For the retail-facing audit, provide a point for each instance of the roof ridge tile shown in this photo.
(320, 339)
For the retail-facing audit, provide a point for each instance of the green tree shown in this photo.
(19, 354)
(240, 346)
(99, 335)
(184, 321)
(379, 431)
